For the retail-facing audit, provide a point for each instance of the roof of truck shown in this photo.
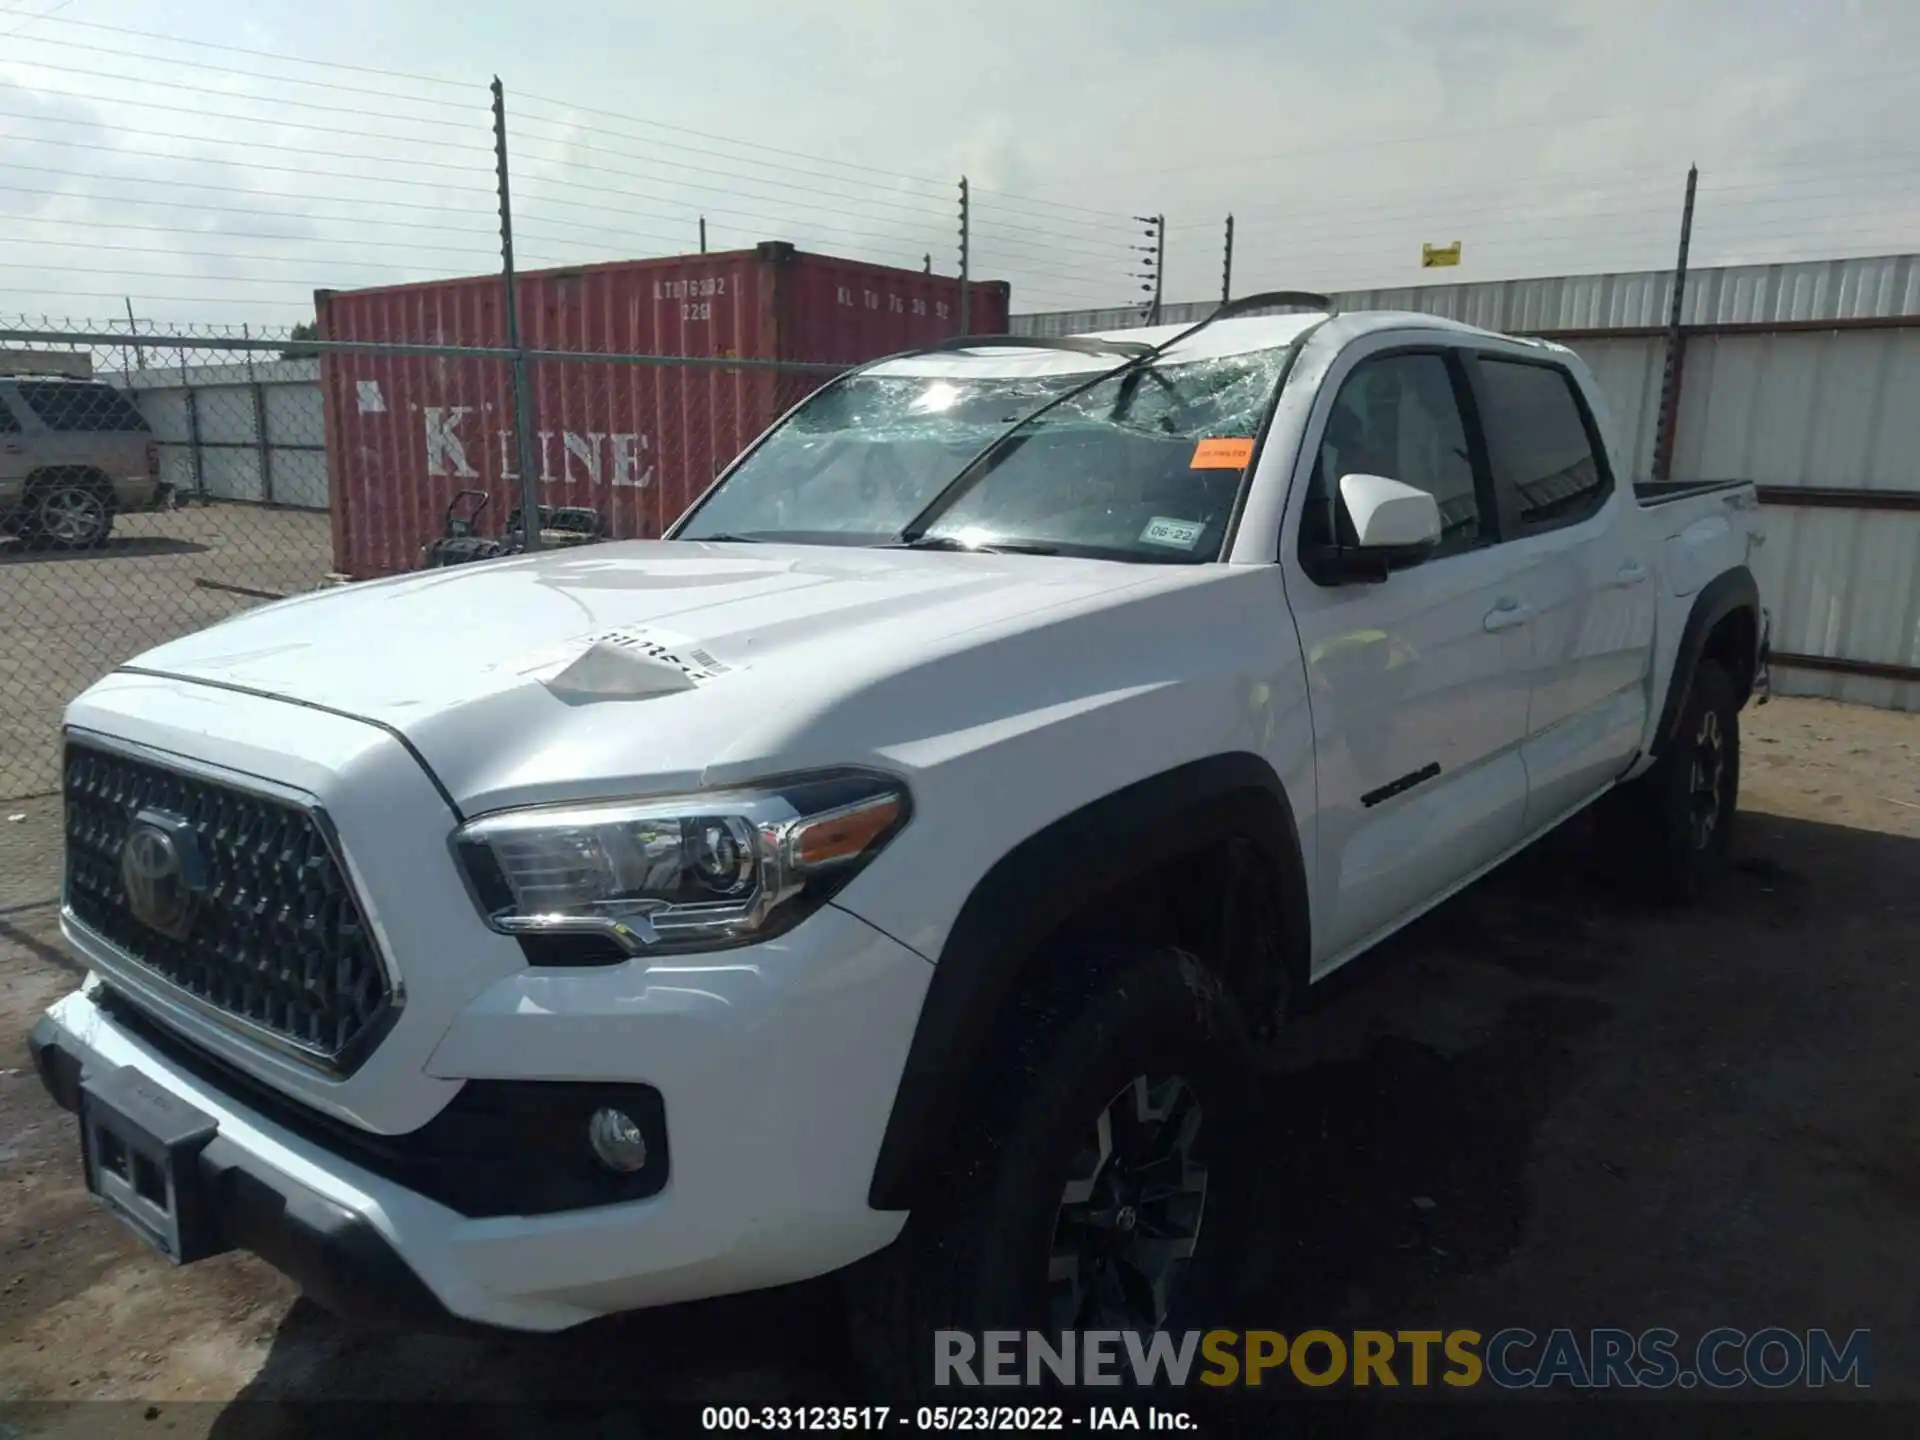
(1238, 336)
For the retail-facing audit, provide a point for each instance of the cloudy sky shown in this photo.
(204, 178)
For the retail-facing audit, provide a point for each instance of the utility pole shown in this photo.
(1226, 266)
(1153, 268)
(966, 250)
(703, 234)
(1664, 433)
(522, 395)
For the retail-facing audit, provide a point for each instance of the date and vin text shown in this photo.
(977, 1419)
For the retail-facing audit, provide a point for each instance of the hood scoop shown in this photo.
(626, 663)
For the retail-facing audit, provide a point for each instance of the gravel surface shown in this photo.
(1545, 1104)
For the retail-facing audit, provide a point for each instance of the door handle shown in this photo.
(1508, 611)
(1632, 572)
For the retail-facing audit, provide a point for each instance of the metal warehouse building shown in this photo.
(1803, 378)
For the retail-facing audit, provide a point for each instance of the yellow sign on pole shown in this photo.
(1432, 255)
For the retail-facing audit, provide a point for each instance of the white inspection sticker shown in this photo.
(1184, 534)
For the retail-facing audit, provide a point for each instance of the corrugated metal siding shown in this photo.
(1880, 286)
(1628, 372)
(1836, 409)
(1844, 583)
(227, 462)
(1823, 408)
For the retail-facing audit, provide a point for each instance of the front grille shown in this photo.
(274, 936)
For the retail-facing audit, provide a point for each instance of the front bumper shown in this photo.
(338, 1258)
(777, 1066)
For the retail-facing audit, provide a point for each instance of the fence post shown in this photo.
(522, 398)
(966, 250)
(258, 392)
(1155, 262)
(133, 329)
(1669, 421)
(193, 429)
(1226, 266)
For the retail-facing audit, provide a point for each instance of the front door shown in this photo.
(1418, 684)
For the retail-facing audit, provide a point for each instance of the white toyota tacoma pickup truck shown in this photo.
(890, 870)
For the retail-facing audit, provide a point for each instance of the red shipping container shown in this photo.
(637, 442)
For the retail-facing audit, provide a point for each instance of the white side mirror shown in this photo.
(1387, 515)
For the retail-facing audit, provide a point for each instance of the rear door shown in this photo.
(13, 454)
(1586, 582)
(1418, 683)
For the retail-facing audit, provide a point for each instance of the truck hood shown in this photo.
(650, 661)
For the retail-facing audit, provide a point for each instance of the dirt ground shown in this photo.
(1544, 1105)
(67, 618)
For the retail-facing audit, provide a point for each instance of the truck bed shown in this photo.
(1664, 492)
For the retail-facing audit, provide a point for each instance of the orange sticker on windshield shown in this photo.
(1222, 455)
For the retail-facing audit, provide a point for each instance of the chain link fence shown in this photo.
(148, 491)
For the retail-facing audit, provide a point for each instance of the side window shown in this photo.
(1543, 458)
(1397, 416)
(69, 405)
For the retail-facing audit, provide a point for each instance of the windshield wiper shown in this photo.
(984, 459)
(727, 539)
(954, 542)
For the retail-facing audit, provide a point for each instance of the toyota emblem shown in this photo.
(160, 865)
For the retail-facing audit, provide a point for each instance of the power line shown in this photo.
(264, 54)
(175, 184)
(311, 262)
(1052, 204)
(257, 145)
(34, 19)
(145, 298)
(158, 275)
(750, 179)
(200, 113)
(1505, 190)
(783, 165)
(1334, 226)
(725, 139)
(1453, 136)
(466, 126)
(691, 205)
(309, 239)
(383, 93)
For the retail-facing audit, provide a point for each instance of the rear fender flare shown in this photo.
(1726, 594)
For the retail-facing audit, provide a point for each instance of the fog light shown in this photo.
(617, 1141)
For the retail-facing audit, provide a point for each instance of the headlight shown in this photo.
(692, 872)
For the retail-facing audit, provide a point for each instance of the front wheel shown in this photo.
(1080, 1189)
(1674, 825)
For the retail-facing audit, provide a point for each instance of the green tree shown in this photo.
(305, 330)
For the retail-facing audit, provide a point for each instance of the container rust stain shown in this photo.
(638, 443)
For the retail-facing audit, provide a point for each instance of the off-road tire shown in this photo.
(975, 1255)
(1672, 827)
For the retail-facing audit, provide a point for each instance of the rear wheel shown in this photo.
(68, 511)
(1078, 1191)
(1674, 825)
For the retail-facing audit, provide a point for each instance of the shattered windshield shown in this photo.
(1143, 466)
